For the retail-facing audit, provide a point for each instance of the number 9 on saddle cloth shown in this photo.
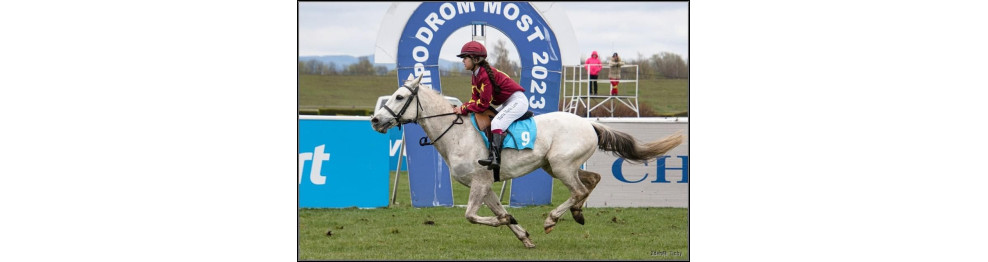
(520, 134)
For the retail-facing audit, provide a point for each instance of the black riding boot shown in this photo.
(493, 161)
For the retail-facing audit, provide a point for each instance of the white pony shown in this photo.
(563, 143)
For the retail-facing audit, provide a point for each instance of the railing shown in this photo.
(573, 98)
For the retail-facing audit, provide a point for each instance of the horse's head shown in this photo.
(401, 108)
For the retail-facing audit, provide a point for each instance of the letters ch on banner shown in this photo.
(660, 170)
(317, 157)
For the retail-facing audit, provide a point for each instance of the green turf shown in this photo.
(402, 232)
(663, 96)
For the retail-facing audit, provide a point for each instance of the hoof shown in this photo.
(577, 215)
(526, 241)
(549, 228)
(579, 219)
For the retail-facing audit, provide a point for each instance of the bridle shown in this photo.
(424, 141)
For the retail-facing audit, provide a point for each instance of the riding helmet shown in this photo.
(473, 48)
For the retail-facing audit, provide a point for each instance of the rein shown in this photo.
(424, 141)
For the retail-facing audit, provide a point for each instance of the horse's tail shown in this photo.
(625, 146)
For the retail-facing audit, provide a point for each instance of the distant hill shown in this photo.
(337, 59)
(342, 61)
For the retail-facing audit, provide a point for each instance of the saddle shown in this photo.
(484, 119)
(484, 124)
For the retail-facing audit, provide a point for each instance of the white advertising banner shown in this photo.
(660, 182)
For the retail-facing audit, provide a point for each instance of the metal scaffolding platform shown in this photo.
(576, 79)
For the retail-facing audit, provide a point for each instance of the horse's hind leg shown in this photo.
(504, 218)
(568, 174)
(589, 180)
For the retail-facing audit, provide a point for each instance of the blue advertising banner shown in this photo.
(418, 54)
(428, 175)
(340, 164)
(394, 150)
(532, 189)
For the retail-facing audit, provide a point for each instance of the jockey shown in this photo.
(491, 87)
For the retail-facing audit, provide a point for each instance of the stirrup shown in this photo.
(490, 158)
(494, 165)
(495, 152)
(490, 163)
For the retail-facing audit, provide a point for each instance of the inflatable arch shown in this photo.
(397, 16)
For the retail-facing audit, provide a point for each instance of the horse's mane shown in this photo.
(432, 92)
(432, 96)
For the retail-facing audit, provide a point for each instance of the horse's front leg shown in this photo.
(495, 204)
(479, 187)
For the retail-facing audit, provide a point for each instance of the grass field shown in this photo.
(361, 92)
(402, 232)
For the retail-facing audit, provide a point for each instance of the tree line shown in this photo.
(661, 65)
(362, 67)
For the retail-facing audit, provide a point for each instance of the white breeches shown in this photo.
(515, 107)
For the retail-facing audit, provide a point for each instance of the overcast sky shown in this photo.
(628, 28)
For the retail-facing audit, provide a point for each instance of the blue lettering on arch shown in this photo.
(428, 28)
(433, 22)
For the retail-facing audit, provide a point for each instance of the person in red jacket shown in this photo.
(593, 66)
(491, 87)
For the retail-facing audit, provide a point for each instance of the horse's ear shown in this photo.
(417, 80)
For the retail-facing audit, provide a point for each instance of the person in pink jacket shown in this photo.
(593, 66)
